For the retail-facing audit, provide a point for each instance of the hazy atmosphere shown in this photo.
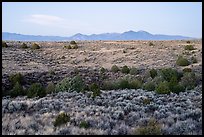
(69, 18)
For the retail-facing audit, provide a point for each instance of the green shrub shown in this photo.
(125, 69)
(50, 88)
(152, 128)
(4, 44)
(73, 42)
(35, 46)
(151, 44)
(150, 86)
(188, 42)
(146, 101)
(36, 89)
(153, 73)
(181, 61)
(95, 89)
(70, 84)
(102, 70)
(168, 73)
(109, 85)
(67, 47)
(75, 46)
(61, 119)
(189, 47)
(123, 83)
(115, 68)
(84, 124)
(24, 46)
(187, 70)
(14, 78)
(135, 84)
(174, 86)
(188, 80)
(194, 60)
(17, 90)
(134, 71)
(163, 88)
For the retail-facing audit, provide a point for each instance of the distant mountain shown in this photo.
(129, 35)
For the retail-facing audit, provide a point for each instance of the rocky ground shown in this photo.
(114, 112)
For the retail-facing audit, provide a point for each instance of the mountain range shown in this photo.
(128, 35)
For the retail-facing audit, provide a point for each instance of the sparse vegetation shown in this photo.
(163, 88)
(95, 89)
(115, 68)
(194, 60)
(151, 44)
(125, 69)
(153, 73)
(152, 128)
(4, 45)
(189, 47)
(50, 88)
(61, 119)
(181, 61)
(36, 89)
(150, 86)
(135, 84)
(84, 124)
(188, 80)
(73, 42)
(24, 46)
(188, 42)
(35, 46)
(17, 90)
(134, 71)
(14, 78)
(187, 70)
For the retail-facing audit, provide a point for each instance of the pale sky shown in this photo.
(69, 18)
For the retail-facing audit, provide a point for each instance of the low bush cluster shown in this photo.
(181, 61)
(189, 47)
(61, 119)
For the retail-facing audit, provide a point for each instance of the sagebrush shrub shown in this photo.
(36, 89)
(188, 80)
(61, 119)
(181, 61)
(115, 68)
(102, 70)
(152, 128)
(125, 69)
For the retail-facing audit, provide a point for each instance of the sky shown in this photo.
(69, 18)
